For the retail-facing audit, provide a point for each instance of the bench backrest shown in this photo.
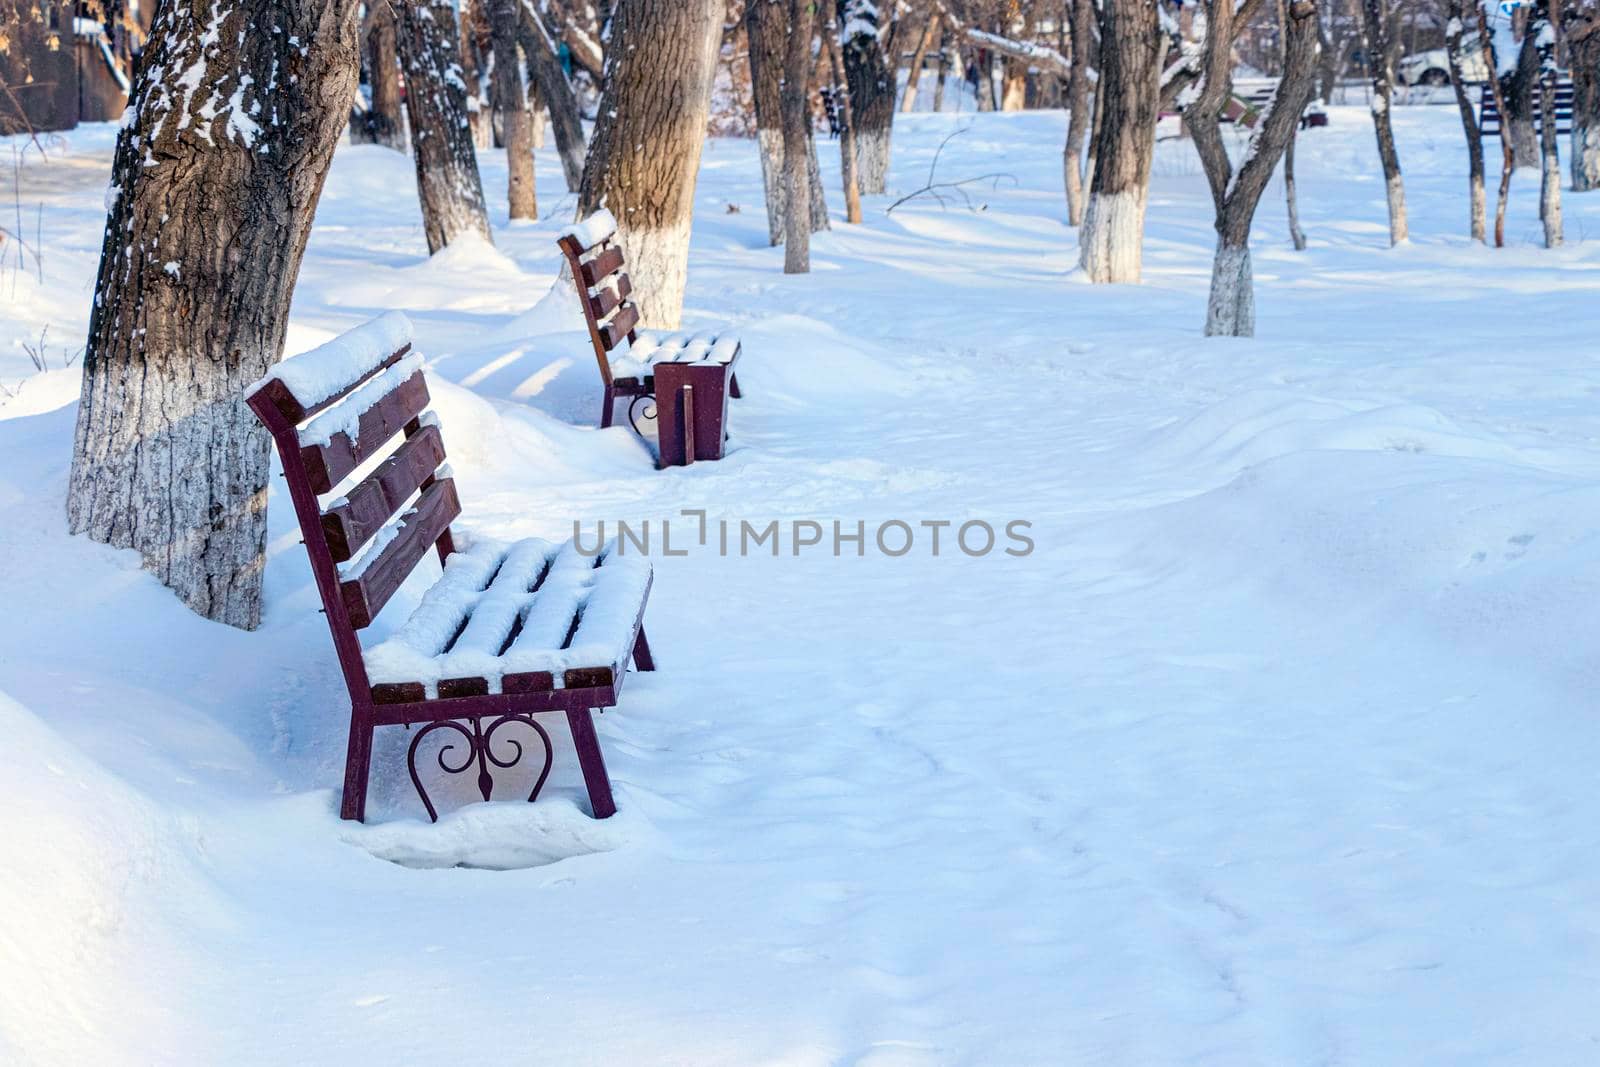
(336, 410)
(595, 257)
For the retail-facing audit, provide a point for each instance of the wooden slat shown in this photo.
(374, 502)
(365, 596)
(621, 324)
(602, 303)
(326, 465)
(601, 265)
(399, 693)
(277, 394)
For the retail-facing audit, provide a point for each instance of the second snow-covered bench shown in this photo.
(506, 632)
(629, 356)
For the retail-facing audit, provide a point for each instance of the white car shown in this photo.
(1432, 68)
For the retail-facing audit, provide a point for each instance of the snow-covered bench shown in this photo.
(507, 631)
(627, 355)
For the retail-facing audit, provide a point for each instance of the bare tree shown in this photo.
(847, 131)
(1111, 239)
(1455, 51)
(1297, 236)
(645, 154)
(1519, 81)
(544, 68)
(1230, 310)
(511, 102)
(1492, 54)
(211, 208)
(871, 81)
(930, 36)
(766, 29)
(1079, 111)
(448, 183)
(1375, 23)
(1582, 24)
(794, 99)
(1540, 31)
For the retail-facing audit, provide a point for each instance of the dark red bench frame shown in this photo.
(350, 605)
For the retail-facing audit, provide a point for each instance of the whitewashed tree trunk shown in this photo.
(211, 206)
(872, 91)
(1231, 309)
(1079, 110)
(511, 102)
(1550, 165)
(765, 22)
(795, 106)
(1583, 44)
(1454, 51)
(645, 155)
(1111, 239)
(448, 182)
(1375, 24)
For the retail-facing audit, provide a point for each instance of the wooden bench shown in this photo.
(626, 354)
(1489, 114)
(507, 631)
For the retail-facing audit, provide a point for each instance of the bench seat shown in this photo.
(650, 347)
(521, 617)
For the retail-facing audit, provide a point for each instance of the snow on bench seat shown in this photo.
(525, 616)
(651, 347)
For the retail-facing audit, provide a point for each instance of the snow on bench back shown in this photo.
(592, 230)
(328, 370)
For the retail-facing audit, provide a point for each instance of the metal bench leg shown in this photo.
(357, 765)
(733, 386)
(605, 407)
(642, 660)
(581, 721)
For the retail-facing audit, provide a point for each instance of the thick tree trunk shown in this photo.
(1583, 43)
(544, 69)
(212, 205)
(1550, 163)
(382, 123)
(872, 90)
(793, 98)
(645, 155)
(1454, 34)
(1079, 115)
(1518, 88)
(511, 102)
(1112, 236)
(765, 22)
(448, 182)
(847, 134)
(1231, 307)
(1375, 22)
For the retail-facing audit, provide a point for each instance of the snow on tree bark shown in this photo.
(1375, 25)
(544, 67)
(1541, 31)
(765, 22)
(448, 182)
(872, 91)
(1112, 235)
(229, 134)
(645, 154)
(511, 102)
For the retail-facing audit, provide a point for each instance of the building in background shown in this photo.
(65, 63)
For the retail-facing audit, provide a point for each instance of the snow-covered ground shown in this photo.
(1280, 747)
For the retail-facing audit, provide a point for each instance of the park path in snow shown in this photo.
(1277, 748)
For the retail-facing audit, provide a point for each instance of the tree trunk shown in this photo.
(930, 33)
(211, 211)
(383, 122)
(448, 183)
(1456, 13)
(793, 98)
(1230, 310)
(871, 83)
(1375, 22)
(511, 102)
(1014, 79)
(544, 69)
(1112, 236)
(765, 22)
(1291, 203)
(1550, 162)
(941, 73)
(847, 132)
(1508, 155)
(1518, 87)
(645, 155)
(1079, 116)
(1583, 44)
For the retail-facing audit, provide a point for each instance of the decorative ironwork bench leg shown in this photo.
(479, 751)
